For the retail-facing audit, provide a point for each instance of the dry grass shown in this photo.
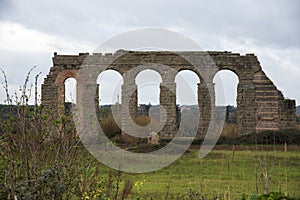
(112, 130)
(109, 126)
(298, 127)
(230, 130)
(142, 120)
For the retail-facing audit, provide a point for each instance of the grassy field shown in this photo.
(222, 174)
(38, 164)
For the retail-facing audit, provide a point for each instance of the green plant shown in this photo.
(271, 196)
(42, 156)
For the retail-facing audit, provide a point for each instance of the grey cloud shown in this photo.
(268, 22)
(17, 63)
(6, 6)
(16, 66)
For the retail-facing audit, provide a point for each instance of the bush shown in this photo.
(270, 196)
(291, 136)
(41, 156)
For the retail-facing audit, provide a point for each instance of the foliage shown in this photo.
(290, 136)
(270, 196)
(43, 158)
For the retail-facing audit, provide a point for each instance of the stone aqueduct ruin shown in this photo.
(260, 106)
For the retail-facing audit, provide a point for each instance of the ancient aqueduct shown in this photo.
(260, 106)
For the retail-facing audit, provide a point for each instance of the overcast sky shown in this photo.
(31, 30)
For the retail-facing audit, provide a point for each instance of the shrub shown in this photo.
(269, 196)
(41, 156)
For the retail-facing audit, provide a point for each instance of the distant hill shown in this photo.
(298, 110)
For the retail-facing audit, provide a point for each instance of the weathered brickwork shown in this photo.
(260, 106)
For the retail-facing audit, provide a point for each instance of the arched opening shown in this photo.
(148, 83)
(148, 89)
(187, 99)
(70, 90)
(110, 82)
(110, 95)
(226, 83)
(186, 88)
(70, 87)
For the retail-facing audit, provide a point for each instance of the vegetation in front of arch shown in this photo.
(38, 163)
(270, 196)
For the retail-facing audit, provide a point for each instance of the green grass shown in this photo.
(220, 173)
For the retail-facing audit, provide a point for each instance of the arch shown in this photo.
(186, 87)
(235, 69)
(110, 82)
(63, 75)
(70, 87)
(226, 83)
(60, 83)
(148, 83)
(190, 69)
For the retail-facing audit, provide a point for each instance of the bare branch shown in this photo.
(5, 86)
(24, 98)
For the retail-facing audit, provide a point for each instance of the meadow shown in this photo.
(61, 168)
(225, 174)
